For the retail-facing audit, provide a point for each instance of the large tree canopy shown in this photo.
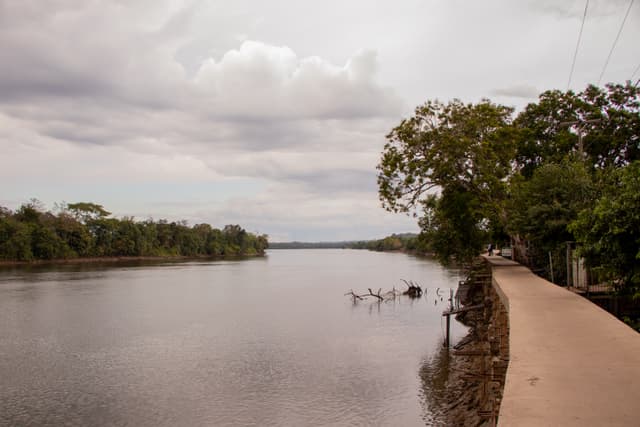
(473, 173)
(467, 145)
(461, 151)
(87, 211)
(604, 123)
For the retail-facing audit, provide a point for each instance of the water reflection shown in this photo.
(434, 374)
(266, 342)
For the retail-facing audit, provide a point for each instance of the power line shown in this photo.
(635, 72)
(575, 54)
(614, 42)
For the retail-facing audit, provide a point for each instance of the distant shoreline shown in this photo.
(286, 246)
(120, 259)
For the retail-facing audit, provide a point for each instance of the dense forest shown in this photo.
(564, 171)
(80, 230)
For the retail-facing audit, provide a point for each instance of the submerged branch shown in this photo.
(376, 295)
(414, 290)
(354, 296)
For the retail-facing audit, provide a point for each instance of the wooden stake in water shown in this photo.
(448, 316)
(446, 340)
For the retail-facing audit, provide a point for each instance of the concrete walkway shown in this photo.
(571, 363)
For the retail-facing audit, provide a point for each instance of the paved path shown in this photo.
(571, 363)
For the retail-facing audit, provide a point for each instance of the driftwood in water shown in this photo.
(414, 290)
(392, 294)
(379, 295)
(354, 296)
(376, 295)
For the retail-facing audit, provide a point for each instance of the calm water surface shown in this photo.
(261, 342)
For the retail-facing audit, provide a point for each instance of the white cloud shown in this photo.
(272, 113)
(258, 80)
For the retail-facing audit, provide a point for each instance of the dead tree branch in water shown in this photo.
(376, 295)
(392, 294)
(414, 290)
(354, 296)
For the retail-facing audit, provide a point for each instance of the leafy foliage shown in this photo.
(475, 174)
(608, 120)
(85, 211)
(610, 232)
(453, 225)
(614, 139)
(446, 144)
(542, 207)
(462, 150)
(84, 230)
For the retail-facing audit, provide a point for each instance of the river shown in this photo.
(267, 341)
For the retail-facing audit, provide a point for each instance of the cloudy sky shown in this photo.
(270, 114)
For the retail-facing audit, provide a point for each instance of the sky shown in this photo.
(268, 114)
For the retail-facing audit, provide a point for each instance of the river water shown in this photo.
(261, 342)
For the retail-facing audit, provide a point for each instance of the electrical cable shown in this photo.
(575, 54)
(615, 42)
(634, 73)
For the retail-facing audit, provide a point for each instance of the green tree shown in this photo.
(544, 133)
(104, 232)
(262, 243)
(75, 234)
(86, 212)
(609, 233)
(15, 239)
(453, 224)
(30, 212)
(234, 237)
(215, 243)
(462, 151)
(607, 119)
(541, 208)
(149, 245)
(46, 244)
(127, 238)
(612, 124)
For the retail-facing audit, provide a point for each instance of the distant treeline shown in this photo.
(80, 230)
(406, 242)
(310, 245)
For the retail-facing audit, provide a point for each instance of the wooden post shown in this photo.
(448, 336)
(446, 340)
(569, 272)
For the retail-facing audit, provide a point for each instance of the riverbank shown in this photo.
(563, 352)
(121, 259)
(474, 369)
(452, 395)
